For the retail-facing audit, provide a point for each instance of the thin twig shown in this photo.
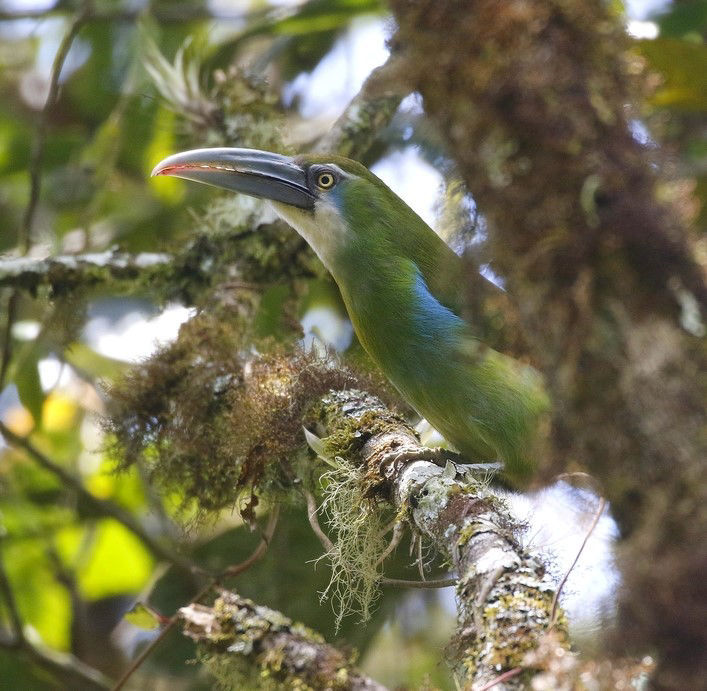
(391, 526)
(7, 335)
(394, 542)
(40, 136)
(169, 625)
(102, 507)
(234, 570)
(501, 678)
(595, 520)
(402, 583)
(260, 550)
(420, 563)
(35, 176)
(314, 522)
(11, 606)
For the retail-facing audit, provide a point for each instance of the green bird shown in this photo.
(400, 283)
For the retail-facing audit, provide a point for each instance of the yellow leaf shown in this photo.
(115, 545)
(58, 413)
(167, 189)
(144, 617)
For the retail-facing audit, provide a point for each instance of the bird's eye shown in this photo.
(325, 180)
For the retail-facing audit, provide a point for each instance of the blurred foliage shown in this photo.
(136, 86)
(683, 66)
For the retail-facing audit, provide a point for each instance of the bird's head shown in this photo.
(333, 202)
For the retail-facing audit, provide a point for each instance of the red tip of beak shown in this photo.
(159, 169)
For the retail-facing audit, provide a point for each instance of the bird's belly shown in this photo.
(440, 394)
(420, 358)
(452, 418)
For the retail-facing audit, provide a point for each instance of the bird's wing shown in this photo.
(459, 287)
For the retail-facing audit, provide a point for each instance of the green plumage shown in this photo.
(402, 288)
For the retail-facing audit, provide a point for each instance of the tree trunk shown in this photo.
(533, 100)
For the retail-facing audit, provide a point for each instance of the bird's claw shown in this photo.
(442, 457)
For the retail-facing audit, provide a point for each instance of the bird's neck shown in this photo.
(325, 233)
(399, 280)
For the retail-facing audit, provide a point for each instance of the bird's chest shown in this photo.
(403, 327)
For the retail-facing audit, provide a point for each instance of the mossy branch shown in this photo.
(66, 272)
(217, 424)
(243, 251)
(502, 589)
(246, 645)
(246, 419)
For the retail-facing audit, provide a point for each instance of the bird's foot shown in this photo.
(438, 455)
(446, 458)
(441, 457)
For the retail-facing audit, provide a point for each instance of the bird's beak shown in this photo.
(249, 171)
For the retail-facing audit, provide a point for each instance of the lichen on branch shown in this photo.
(245, 645)
(503, 589)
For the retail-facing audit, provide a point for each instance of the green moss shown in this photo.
(351, 433)
(214, 423)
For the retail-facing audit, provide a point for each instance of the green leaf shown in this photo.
(145, 617)
(29, 387)
(683, 65)
(87, 360)
(315, 443)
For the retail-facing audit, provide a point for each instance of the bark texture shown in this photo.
(505, 597)
(64, 273)
(251, 646)
(533, 97)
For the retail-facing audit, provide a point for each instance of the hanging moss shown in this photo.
(215, 421)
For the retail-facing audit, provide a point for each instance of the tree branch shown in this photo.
(242, 639)
(501, 589)
(63, 273)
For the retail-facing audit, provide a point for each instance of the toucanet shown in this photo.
(401, 285)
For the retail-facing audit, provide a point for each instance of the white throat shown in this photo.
(323, 229)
